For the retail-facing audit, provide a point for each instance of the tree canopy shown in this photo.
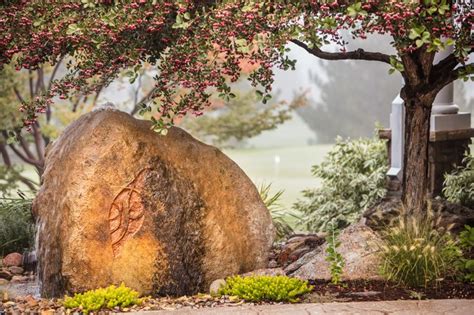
(198, 47)
(200, 44)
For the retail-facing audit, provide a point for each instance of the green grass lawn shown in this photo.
(292, 173)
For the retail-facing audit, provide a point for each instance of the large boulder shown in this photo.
(163, 214)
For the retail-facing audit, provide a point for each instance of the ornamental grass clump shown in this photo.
(266, 288)
(280, 215)
(418, 251)
(103, 298)
(17, 226)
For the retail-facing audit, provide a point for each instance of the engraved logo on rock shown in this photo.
(127, 212)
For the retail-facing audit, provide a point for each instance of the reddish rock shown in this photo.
(297, 246)
(13, 259)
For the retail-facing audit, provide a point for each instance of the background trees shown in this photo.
(201, 44)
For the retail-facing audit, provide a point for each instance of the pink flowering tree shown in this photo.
(198, 48)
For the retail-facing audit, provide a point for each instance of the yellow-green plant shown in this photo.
(418, 251)
(265, 288)
(103, 298)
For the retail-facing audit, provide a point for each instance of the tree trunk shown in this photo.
(415, 165)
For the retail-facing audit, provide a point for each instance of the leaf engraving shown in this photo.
(126, 214)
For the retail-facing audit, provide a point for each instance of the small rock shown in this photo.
(16, 270)
(215, 286)
(3, 281)
(31, 301)
(5, 274)
(13, 259)
(19, 279)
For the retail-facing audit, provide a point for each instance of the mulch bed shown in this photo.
(324, 292)
(379, 290)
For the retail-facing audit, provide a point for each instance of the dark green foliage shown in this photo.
(459, 185)
(352, 179)
(265, 288)
(16, 225)
(103, 298)
(417, 252)
(335, 259)
(466, 263)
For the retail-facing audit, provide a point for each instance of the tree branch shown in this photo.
(55, 70)
(358, 54)
(25, 147)
(30, 81)
(142, 101)
(447, 64)
(18, 95)
(23, 157)
(453, 75)
(97, 94)
(6, 157)
(39, 144)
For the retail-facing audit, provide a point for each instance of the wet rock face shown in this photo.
(164, 214)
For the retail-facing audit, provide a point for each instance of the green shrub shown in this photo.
(16, 225)
(466, 263)
(103, 298)
(279, 215)
(265, 288)
(418, 252)
(459, 185)
(333, 257)
(352, 179)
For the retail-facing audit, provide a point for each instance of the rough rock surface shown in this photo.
(359, 247)
(163, 214)
(13, 259)
(295, 247)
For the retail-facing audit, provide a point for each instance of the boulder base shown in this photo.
(163, 214)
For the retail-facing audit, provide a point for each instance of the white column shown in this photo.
(397, 124)
(445, 114)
